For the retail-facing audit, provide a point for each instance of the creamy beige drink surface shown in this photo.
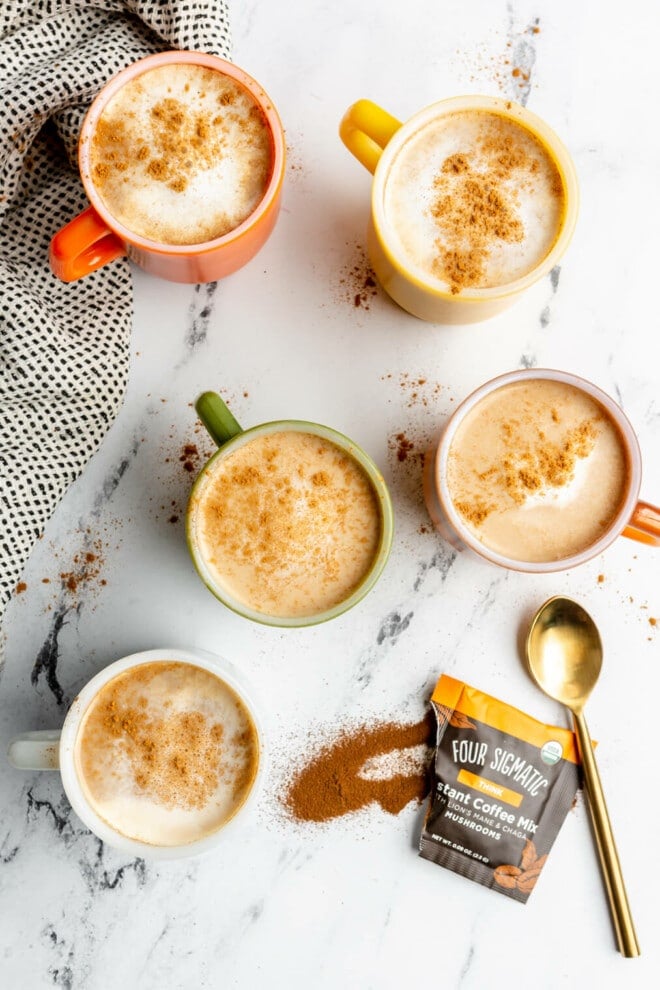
(288, 524)
(537, 470)
(166, 753)
(473, 200)
(182, 154)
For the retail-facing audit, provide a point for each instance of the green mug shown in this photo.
(309, 540)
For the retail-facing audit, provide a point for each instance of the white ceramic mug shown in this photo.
(54, 750)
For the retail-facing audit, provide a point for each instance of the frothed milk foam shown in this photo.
(166, 753)
(537, 470)
(288, 524)
(181, 154)
(473, 200)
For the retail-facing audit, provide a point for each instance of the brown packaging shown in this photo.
(502, 786)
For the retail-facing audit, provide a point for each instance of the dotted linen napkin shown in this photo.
(64, 349)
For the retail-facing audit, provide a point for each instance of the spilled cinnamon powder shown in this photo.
(335, 781)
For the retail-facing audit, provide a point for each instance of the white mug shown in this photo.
(54, 750)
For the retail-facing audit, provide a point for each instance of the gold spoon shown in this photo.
(564, 653)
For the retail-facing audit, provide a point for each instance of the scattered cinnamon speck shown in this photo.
(653, 621)
(418, 390)
(518, 51)
(358, 281)
(182, 459)
(189, 457)
(21, 587)
(601, 578)
(294, 165)
(404, 446)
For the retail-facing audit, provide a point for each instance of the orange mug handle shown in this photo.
(83, 245)
(644, 524)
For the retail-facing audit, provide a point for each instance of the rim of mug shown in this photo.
(386, 523)
(138, 68)
(628, 504)
(225, 671)
(530, 122)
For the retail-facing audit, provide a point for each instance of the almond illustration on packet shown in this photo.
(525, 876)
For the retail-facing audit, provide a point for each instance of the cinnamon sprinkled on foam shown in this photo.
(189, 131)
(289, 524)
(476, 204)
(531, 467)
(167, 738)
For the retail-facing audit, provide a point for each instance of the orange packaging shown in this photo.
(502, 786)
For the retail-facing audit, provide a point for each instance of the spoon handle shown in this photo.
(609, 859)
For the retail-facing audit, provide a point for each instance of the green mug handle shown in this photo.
(217, 418)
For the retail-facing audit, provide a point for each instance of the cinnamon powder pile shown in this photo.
(335, 781)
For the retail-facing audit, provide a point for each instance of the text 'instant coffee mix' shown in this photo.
(503, 784)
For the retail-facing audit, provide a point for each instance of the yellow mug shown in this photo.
(375, 137)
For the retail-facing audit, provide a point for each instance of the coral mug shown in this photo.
(381, 143)
(96, 237)
(628, 516)
(274, 523)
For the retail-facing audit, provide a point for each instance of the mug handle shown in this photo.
(83, 245)
(365, 129)
(217, 418)
(35, 750)
(644, 524)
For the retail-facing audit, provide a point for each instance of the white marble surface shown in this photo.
(350, 904)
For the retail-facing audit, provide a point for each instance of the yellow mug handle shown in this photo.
(365, 129)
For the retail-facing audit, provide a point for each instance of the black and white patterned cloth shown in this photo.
(64, 349)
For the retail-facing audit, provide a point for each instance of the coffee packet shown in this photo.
(502, 786)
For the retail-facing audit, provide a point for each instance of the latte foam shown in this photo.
(288, 524)
(472, 200)
(166, 753)
(537, 470)
(181, 154)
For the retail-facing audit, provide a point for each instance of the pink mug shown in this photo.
(633, 518)
(95, 237)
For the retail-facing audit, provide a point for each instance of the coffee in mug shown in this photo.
(182, 156)
(160, 753)
(166, 753)
(290, 523)
(538, 470)
(473, 200)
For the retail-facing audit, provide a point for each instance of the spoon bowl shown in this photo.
(565, 655)
(564, 652)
